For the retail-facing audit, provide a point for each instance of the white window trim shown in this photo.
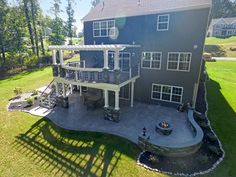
(171, 94)
(107, 28)
(179, 61)
(168, 23)
(150, 67)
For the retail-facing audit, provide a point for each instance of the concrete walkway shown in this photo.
(132, 121)
(224, 58)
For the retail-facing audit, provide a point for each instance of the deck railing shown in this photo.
(74, 72)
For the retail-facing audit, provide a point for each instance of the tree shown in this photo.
(70, 20)
(3, 12)
(95, 2)
(223, 8)
(57, 36)
(41, 31)
(26, 9)
(34, 14)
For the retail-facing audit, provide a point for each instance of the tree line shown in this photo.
(25, 32)
(223, 8)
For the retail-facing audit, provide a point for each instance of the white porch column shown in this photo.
(54, 54)
(116, 60)
(63, 90)
(106, 99)
(117, 97)
(105, 59)
(61, 56)
(132, 95)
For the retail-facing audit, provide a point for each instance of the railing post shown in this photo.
(130, 72)
(76, 75)
(139, 66)
(132, 95)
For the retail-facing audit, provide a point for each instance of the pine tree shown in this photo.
(70, 20)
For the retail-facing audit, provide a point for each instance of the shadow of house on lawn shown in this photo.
(71, 153)
(223, 121)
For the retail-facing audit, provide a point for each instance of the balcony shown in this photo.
(76, 71)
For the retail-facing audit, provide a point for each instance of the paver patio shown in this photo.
(77, 117)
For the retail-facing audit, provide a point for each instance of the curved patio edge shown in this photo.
(94, 131)
(177, 150)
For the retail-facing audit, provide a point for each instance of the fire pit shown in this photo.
(164, 128)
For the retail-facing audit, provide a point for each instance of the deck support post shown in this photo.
(80, 90)
(106, 99)
(64, 90)
(117, 97)
(71, 89)
(61, 56)
(57, 91)
(132, 95)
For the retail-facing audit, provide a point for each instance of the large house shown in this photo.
(143, 50)
(222, 27)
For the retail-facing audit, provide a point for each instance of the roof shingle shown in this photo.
(124, 8)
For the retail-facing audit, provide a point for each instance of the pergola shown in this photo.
(104, 48)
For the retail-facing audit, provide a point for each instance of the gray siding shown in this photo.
(186, 29)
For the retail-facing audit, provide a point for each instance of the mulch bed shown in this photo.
(21, 105)
(203, 161)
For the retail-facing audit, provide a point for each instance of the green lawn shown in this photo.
(31, 146)
(222, 107)
(214, 45)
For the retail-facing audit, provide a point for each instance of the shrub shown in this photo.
(215, 150)
(203, 124)
(18, 90)
(31, 61)
(153, 159)
(30, 101)
(35, 92)
(211, 137)
(215, 50)
(202, 159)
(233, 48)
(207, 56)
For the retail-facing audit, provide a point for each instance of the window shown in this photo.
(163, 22)
(151, 60)
(167, 93)
(179, 61)
(104, 28)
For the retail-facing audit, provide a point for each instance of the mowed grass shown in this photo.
(214, 40)
(31, 146)
(224, 44)
(222, 112)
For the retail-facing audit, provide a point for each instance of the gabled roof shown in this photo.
(124, 8)
(226, 20)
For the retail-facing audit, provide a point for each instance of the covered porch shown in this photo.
(77, 74)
